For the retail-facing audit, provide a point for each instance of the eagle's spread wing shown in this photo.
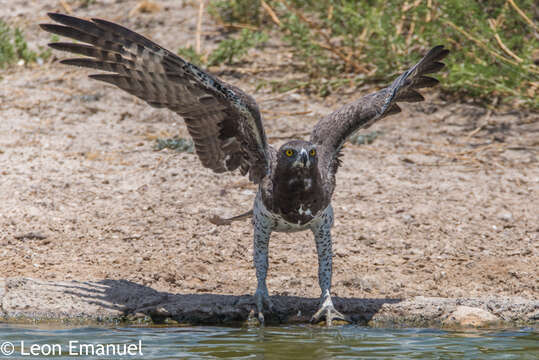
(224, 122)
(332, 131)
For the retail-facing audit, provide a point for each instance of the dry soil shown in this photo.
(443, 203)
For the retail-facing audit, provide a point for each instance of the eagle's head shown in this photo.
(298, 193)
(297, 156)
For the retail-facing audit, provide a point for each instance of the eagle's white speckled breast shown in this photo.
(277, 223)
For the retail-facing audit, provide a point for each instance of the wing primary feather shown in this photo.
(124, 32)
(95, 64)
(68, 32)
(424, 81)
(432, 67)
(435, 54)
(333, 130)
(409, 95)
(77, 23)
(393, 109)
(87, 50)
(214, 111)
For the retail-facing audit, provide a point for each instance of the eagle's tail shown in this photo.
(217, 220)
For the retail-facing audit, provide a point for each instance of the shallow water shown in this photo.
(286, 342)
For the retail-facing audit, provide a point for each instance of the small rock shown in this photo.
(294, 97)
(368, 283)
(90, 97)
(30, 236)
(137, 316)
(161, 311)
(466, 316)
(407, 218)
(340, 252)
(439, 275)
(505, 216)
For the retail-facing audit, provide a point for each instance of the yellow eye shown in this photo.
(312, 152)
(289, 152)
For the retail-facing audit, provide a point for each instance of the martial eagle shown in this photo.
(295, 182)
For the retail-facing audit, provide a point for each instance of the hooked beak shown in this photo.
(304, 158)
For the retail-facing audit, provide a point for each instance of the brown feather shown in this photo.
(224, 122)
(331, 132)
(409, 95)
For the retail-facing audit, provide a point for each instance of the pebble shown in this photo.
(505, 216)
(407, 218)
(368, 283)
(467, 316)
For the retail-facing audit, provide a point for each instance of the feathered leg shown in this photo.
(262, 233)
(322, 237)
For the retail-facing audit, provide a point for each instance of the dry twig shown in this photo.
(429, 15)
(522, 14)
(410, 33)
(472, 133)
(485, 47)
(492, 24)
(145, 6)
(199, 26)
(328, 44)
(66, 7)
(239, 26)
(254, 70)
(271, 13)
(286, 113)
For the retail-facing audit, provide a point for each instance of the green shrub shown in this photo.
(175, 143)
(21, 47)
(228, 51)
(191, 55)
(232, 49)
(236, 11)
(13, 47)
(7, 50)
(356, 42)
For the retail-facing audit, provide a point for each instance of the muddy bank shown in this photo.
(27, 300)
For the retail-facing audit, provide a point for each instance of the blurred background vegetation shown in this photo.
(337, 44)
(14, 48)
(494, 43)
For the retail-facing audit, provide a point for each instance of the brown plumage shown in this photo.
(296, 182)
(332, 131)
(223, 121)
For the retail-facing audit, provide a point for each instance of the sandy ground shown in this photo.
(444, 203)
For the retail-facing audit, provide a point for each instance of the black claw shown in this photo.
(329, 314)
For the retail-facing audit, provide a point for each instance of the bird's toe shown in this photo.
(329, 313)
(263, 301)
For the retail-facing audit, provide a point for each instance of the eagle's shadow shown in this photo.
(129, 300)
